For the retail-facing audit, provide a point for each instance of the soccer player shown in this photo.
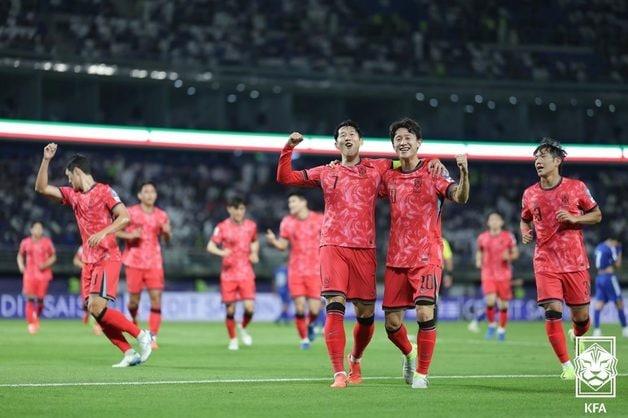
(496, 250)
(35, 258)
(239, 250)
(347, 245)
(414, 263)
(553, 212)
(99, 214)
(142, 258)
(607, 258)
(448, 264)
(301, 230)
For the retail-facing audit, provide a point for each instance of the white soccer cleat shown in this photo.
(569, 372)
(145, 341)
(419, 381)
(408, 365)
(32, 329)
(473, 326)
(233, 344)
(131, 358)
(597, 332)
(624, 332)
(246, 338)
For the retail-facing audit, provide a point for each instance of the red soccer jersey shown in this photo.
(238, 239)
(559, 246)
(416, 200)
(493, 247)
(304, 237)
(93, 212)
(145, 252)
(349, 194)
(37, 253)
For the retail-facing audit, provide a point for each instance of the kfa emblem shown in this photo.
(564, 200)
(596, 367)
(416, 185)
(362, 171)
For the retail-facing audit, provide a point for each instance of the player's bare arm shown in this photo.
(166, 231)
(20, 262)
(459, 193)
(590, 218)
(121, 220)
(41, 184)
(212, 248)
(511, 254)
(254, 256)
(279, 243)
(478, 259)
(129, 236)
(49, 262)
(527, 229)
(77, 261)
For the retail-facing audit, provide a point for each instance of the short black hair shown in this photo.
(410, 124)
(37, 221)
(345, 123)
(145, 183)
(235, 202)
(79, 161)
(494, 212)
(552, 146)
(297, 194)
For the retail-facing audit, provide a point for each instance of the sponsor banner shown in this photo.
(195, 306)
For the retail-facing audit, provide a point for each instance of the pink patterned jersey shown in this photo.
(349, 194)
(144, 252)
(416, 200)
(304, 237)
(93, 212)
(493, 247)
(36, 253)
(238, 239)
(559, 245)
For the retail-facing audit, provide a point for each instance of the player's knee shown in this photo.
(249, 313)
(580, 316)
(427, 325)
(230, 315)
(552, 315)
(132, 305)
(335, 307)
(392, 323)
(366, 320)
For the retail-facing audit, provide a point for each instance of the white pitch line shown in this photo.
(271, 380)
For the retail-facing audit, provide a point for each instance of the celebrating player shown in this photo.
(607, 258)
(301, 230)
(35, 259)
(414, 264)
(99, 215)
(553, 212)
(347, 246)
(142, 258)
(496, 250)
(239, 249)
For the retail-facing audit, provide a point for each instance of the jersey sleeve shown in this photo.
(284, 228)
(526, 214)
(253, 232)
(442, 184)
(217, 236)
(50, 247)
(111, 199)
(22, 249)
(512, 241)
(286, 175)
(479, 242)
(314, 174)
(383, 164)
(68, 196)
(585, 200)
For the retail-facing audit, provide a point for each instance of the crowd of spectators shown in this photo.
(193, 188)
(567, 40)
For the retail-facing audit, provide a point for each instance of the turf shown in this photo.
(66, 352)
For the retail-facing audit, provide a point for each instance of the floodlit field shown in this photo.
(65, 371)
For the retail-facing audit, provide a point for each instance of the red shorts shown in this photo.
(101, 279)
(308, 286)
(502, 288)
(39, 288)
(349, 272)
(574, 288)
(404, 288)
(138, 279)
(237, 290)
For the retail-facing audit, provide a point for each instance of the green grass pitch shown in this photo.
(193, 374)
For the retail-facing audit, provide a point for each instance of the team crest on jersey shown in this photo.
(564, 199)
(361, 171)
(416, 186)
